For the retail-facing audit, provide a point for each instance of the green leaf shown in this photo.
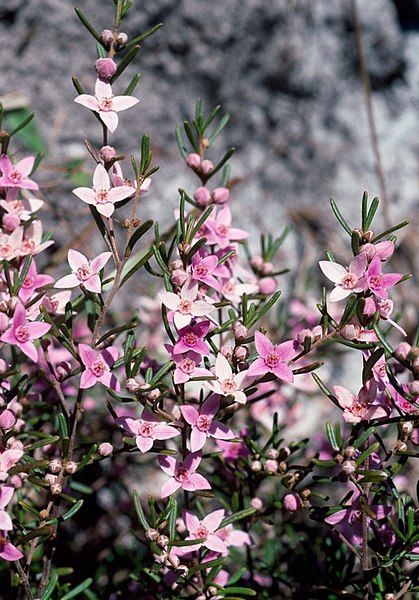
(388, 231)
(371, 213)
(181, 142)
(132, 85)
(222, 123)
(25, 129)
(331, 436)
(79, 589)
(222, 162)
(238, 516)
(264, 309)
(67, 515)
(142, 36)
(126, 59)
(228, 591)
(366, 453)
(134, 264)
(364, 211)
(50, 587)
(340, 218)
(139, 510)
(89, 27)
(138, 234)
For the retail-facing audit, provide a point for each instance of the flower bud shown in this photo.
(267, 285)
(272, 453)
(220, 195)
(206, 167)
(407, 427)
(173, 560)
(10, 221)
(105, 449)
(271, 466)
(292, 502)
(226, 351)
(176, 264)
(151, 534)
(107, 37)
(349, 467)
(121, 39)
(50, 478)
(256, 503)
(350, 451)
(256, 466)
(132, 385)
(202, 196)
(71, 467)
(62, 370)
(389, 597)
(305, 493)
(182, 570)
(403, 350)
(414, 388)
(400, 446)
(240, 331)
(241, 353)
(193, 160)
(105, 68)
(267, 268)
(178, 277)
(257, 262)
(56, 488)
(7, 419)
(162, 541)
(55, 465)
(154, 395)
(107, 153)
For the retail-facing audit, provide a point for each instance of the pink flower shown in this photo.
(345, 280)
(6, 493)
(17, 176)
(106, 104)
(377, 281)
(118, 180)
(191, 338)
(205, 531)
(234, 291)
(8, 459)
(23, 332)
(84, 272)
(218, 230)
(232, 451)
(147, 429)
(187, 366)
(203, 268)
(7, 550)
(384, 250)
(185, 306)
(272, 359)
(105, 68)
(102, 196)
(203, 424)
(32, 243)
(361, 407)
(182, 474)
(32, 282)
(233, 537)
(98, 366)
(10, 245)
(56, 303)
(227, 384)
(22, 208)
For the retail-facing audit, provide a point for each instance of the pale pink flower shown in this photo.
(233, 537)
(191, 338)
(32, 282)
(6, 493)
(187, 366)
(84, 271)
(234, 291)
(272, 359)
(32, 242)
(205, 531)
(98, 367)
(10, 245)
(106, 104)
(118, 180)
(56, 303)
(147, 429)
(182, 474)
(384, 250)
(22, 332)
(204, 268)
(361, 407)
(226, 383)
(8, 459)
(203, 423)
(377, 281)
(346, 280)
(17, 176)
(102, 196)
(185, 307)
(218, 230)
(21, 207)
(7, 550)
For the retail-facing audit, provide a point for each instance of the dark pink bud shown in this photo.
(292, 502)
(206, 167)
(241, 353)
(7, 419)
(240, 331)
(10, 221)
(202, 196)
(105, 68)
(267, 285)
(107, 153)
(193, 161)
(220, 195)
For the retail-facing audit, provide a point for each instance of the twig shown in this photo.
(24, 579)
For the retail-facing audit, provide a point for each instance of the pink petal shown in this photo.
(375, 267)
(10, 552)
(358, 265)
(25, 165)
(237, 234)
(240, 397)
(338, 293)
(68, 281)
(87, 354)
(110, 381)
(87, 101)
(121, 192)
(76, 259)
(5, 521)
(220, 431)
(19, 315)
(213, 520)
(87, 379)
(211, 406)
(190, 414)
(198, 482)
(102, 89)
(6, 493)
(257, 368)
(198, 439)
(222, 367)
(123, 102)
(224, 216)
(286, 350)
(169, 487)
(169, 299)
(283, 371)
(144, 443)
(110, 355)
(344, 396)
(191, 521)
(100, 261)
(131, 425)
(192, 461)
(29, 349)
(164, 432)
(336, 517)
(37, 329)
(168, 464)
(28, 184)
(216, 544)
(238, 538)
(390, 279)
(101, 179)
(332, 270)
(110, 119)
(384, 250)
(263, 344)
(105, 209)
(5, 164)
(181, 320)
(85, 194)
(93, 284)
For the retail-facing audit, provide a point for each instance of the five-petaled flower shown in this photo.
(102, 196)
(226, 383)
(204, 268)
(346, 280)
(147, 429)
(84, 272)
(272, 359)
(187, 365)
(186, 307)
(106, 104)
(182, 474)
(203, 423)
(17, 176)
(98, 367)
(22, 332)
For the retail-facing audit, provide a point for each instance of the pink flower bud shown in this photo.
(403, 350)
(240, 331)
(241, 353)
(206, 167)
(202, 196)
(132, 385)
(407, 427)
(292, 502)
(56, 488)
(105, 449)
(71, 467)
(50, 478)
(256, 466)
(271, 466)
(220, 195)
(257, 262)
(162, 541)
(272, 453)
(370, 307)
(55, 465)
(62, 370)
(350, 451)
(107, 36)
(256, 503)
(267, 268)
(178, 277)
(10, 221)
(226, 351)
(121, 38)
(193, 161)
(107, 153)
(7, 419)
(386, 308)
(151, 534)
(154, 394)
(349, 467)
(105, 68)
(267, 285)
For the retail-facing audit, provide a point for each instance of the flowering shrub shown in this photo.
(201, 386)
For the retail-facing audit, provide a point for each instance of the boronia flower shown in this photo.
(98, 365)
(84, 272)
(218, 230)
(106, 104)
(272, 359)
(17, 176)
(22, 332)
(7, 550)
(8, 459)
(187, 366)
(32, 282)
(203, 423)
(346, 280)
(205, 531)
(146, 429)
(102, 196)
(365, 406)
(182, 474)
(191, 338)
(377, 281)
(21, 207)
(226, 383)
(186, 307)
(6, 493)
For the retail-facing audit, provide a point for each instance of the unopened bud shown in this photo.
(407, 427)
(292, 502)
(272, 453)
(107, 153)
(400, 447)
(162, 541)
(178, 277)
(305, 493)
(132, 385)
(107, 37)
(151, 534)
(105, 449)
(267, 285)
(10, 221)
(56, 488)
(220, 195)
(256, 466)
(193, 160)
(241, 353)
(105, 68)
(206, 167)
(402, 351)
(271, 466)
(174, 560)
(226, 351)
(267, 267)
(55, 465)
(71, 467)
(256, 503)
(349, 467)
(154, 395)
(350, 451)
(202, 196)
(50, 478)
(121, 39)
(240, 331)
(62, 370)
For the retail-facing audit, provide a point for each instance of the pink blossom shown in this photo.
(203, 269)
(7, 550)
(56, 303)
(234, 291)
(106, 104)
(147, 429)
(17, 176)
(377, 281)
(267, 285)
(191, 338)
(404, 405)
(203, 423)
(98, 366)
(345, 280)
(84, 272)
(23, 332)
(187, 366)
(233, 537)
(185, 307)
(218, 229)
(102, 196)
(23, 207)
(8, 459)
(10, 244)
(105, 68)
(32, 243)
(361, 407)
(272, 359)
(384, 250)
(205, 531)
(226, 383)
(118, 180)
(232, 451)
(182, 474)
(32, 282)
(6, 493)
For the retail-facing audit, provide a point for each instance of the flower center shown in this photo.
(15, 176)
(349, 281)
(201, 531)
(229, 287)
(201, 270)
(203, 423)
(222, 229)
(146, 429)
(28, 247)
(84, 272)
(29, 282)
(272, 359)
(22, 333)
(185, 306)
(105, 104)
(98, 367)
(17, 207)
(5, 249)
(375, 282)
(187, 365)
(181, 474)
(228, 385)
(357, 408)
(101, 196)
(190, 338)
